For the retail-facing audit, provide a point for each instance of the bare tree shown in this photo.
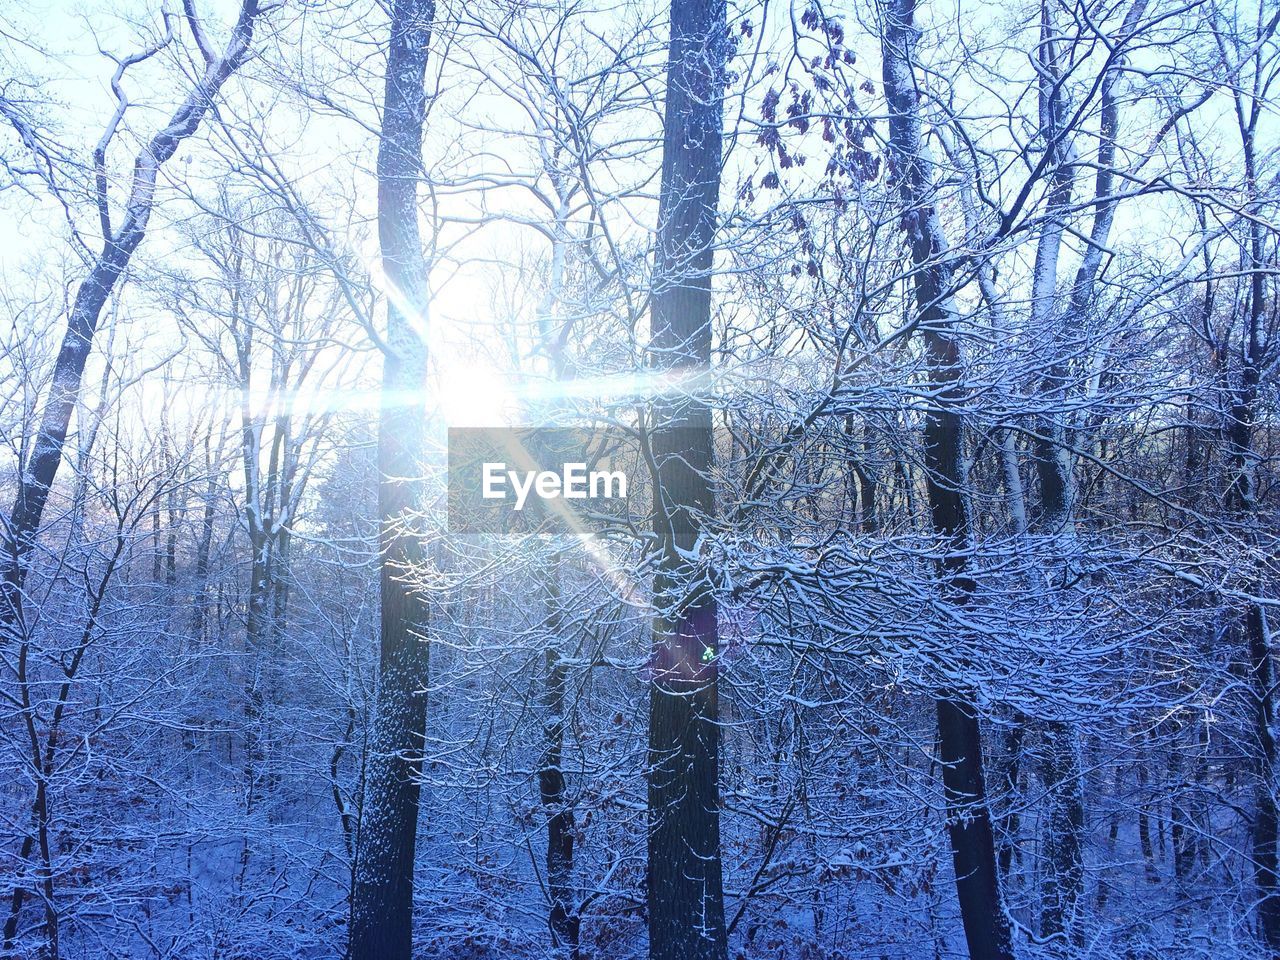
(1251, 59)
(118, 247)
(382, 892)
(986, 924)
(685, 878)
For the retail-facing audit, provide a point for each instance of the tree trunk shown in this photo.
(986, 924)
(117, 249)
(1064, 834)
(382, 892)
(684, 882)
(1011, 763)
(1242, 502)
(564, 920)
(1250, 102)
(1064, 845)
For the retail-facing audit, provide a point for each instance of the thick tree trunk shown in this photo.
(382, 894)
(1064, 834)
(986, 924)
(685, 895)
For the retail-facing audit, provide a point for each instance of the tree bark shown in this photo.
(684, 881)
(564, 919)
(1242, 504)
(1248, 88)
(1064, 834)
(1008, 774)
(382, 891)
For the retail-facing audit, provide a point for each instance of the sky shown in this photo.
(476, 130)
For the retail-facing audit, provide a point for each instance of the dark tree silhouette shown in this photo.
(382, 891)
(685, 896)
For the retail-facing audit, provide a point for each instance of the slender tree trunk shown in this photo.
(73, 353)
(1063, 847)
(1064, 844)
(563, 916)
(1144, 821)
(1251, 102)
(258, 521)
(685, 894)
(868, 485)
(1180, 822)
(43, 757)
(172, 520)
(986, 924)
(1011, 763)
(1242, 502)
(22, 526)
(382, 894)
(204, 546)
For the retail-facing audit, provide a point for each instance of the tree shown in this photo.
(973, 850)
(23, 524)
(685, 878)
(1252, 77)
(1065, 831)
(118, 247)
(382, 886)
(967, 310)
